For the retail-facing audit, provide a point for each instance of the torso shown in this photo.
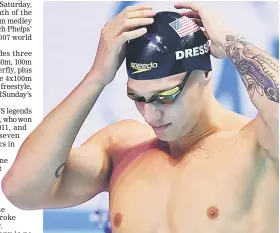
(223, 185)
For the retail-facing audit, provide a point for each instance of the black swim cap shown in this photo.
(173, 44)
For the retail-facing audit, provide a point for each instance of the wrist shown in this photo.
(225, 36)
(95, 78)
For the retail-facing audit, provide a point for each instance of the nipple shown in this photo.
(117, 220)
(212, 212)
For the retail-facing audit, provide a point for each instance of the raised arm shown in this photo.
(260, 74)
(258, 70)
(33, 175)
(47, 172)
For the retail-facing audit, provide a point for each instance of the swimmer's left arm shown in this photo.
(259, 70)
(260, 74)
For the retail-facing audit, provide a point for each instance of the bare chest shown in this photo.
(226, 190)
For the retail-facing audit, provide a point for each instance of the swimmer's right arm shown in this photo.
(48, 172)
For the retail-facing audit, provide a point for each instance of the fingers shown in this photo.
(191, 14)
(206, 34)
(140, 14)
(131, 18)
(130, 24)
(137, 7)
(198, 22)
(188, 5)
(130, 35)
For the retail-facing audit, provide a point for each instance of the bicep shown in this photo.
(85, 174)
(88, 169)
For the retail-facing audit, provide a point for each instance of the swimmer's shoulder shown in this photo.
(245, 129)
(235, 121)
(126, 133)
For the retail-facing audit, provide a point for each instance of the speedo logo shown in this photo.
(193, 52)
(140, 67)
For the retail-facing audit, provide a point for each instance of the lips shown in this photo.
(160, 127)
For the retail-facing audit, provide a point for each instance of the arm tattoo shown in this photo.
(258, 70)
(59, 170)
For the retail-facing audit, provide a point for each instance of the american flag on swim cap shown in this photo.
(184, 26)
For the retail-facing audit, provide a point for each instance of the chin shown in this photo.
(168, 136)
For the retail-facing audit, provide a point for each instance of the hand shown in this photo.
(215, 30)
(111, 49)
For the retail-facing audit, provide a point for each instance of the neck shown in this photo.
(209, 122)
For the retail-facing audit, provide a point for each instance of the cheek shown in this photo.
(182, 109)
(139, 106)
(174, 111)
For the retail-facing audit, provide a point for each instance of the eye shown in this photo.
(169, 92)
(159, 100)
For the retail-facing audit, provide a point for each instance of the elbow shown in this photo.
(15, 198)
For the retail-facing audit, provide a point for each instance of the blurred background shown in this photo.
(71, 36)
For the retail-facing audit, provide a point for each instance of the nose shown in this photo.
(151, 113)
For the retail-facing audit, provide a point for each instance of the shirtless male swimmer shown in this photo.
(194, 168)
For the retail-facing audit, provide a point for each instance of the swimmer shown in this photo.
(194, 166)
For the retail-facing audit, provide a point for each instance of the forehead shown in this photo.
(149, 86)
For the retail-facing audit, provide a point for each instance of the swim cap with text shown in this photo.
(173, 44)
